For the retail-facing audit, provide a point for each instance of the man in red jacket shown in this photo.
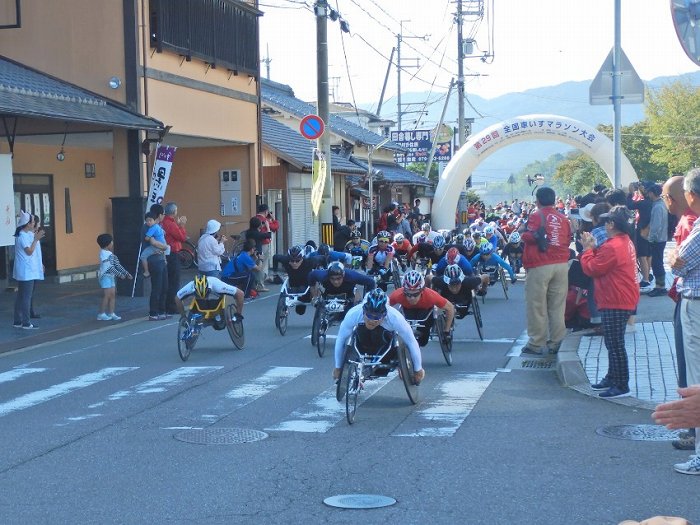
(269, 224)
(175, 235)
(545, 258)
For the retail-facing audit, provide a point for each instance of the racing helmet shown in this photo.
(439, 242)
(514, 238)
(399, 238)
(453, 274)
(324, 249)
(201, 286)
(413, 281)
(308, 250)
(453, 256)
(469, 244)
(296, 253)
(374, 305)
(459, 238)
(384, 236)
(336, 268)
(425, 227)
(355, 235)
(486, 248)
(489, 230)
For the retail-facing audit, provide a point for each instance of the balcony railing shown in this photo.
(222, 33)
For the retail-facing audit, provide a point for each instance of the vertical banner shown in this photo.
(161, 174)
(318, 180)
(8, 221)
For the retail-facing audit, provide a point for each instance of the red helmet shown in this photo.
(453, 256)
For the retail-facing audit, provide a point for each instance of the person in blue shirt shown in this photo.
(453, 257)
(239, 270)
(487, 261)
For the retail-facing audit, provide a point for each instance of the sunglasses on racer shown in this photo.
(375, 316)
(412, 295)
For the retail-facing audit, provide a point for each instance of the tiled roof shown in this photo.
(282, 96)
(289, 145)
(26, 92)
(394, 174)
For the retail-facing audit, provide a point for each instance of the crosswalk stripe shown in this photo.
(160, 383)
(266, 383)
(442, 418)
(11, 375)
(502, 340)
(41, 396)
(324, 411)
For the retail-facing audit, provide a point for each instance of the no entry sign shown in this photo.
(311, 127)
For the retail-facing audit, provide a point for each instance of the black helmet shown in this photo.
(355, 235)
(336, 268)
(324, 249)
(296, 252)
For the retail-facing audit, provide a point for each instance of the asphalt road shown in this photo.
(91, 432)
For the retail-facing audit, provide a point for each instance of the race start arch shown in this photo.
(519, 129)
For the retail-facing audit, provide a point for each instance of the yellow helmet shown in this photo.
(201, 286)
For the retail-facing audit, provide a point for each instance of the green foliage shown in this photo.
(472, 196)
(419, 168)
(672, 114)
(579, 173)
(639, 149)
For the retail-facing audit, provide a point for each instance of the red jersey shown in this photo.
(558, 231)
(613, 267)
(428, 299)
(403, 248)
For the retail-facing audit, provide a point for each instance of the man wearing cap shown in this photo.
(637, 200)
(210, 248)
(269, 224)
(658, 236)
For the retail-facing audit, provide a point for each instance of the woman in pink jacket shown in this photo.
(613, 268)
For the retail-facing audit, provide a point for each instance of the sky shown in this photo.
(533, 43)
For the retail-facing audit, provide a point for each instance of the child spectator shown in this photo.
(156, 232)
(109, 269)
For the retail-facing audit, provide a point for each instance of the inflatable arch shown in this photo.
(528, 127)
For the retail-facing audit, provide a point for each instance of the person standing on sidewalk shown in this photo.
(638, 200)
(685, 264)
(613, 267)
(546, 235)
(27, 269)
(658, 236)
(269, 224)
(674, 198)
(175, 235)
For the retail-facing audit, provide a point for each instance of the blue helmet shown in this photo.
(439, 242)
(486, 248)
(375, 304)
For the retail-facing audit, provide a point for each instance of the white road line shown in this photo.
(518, 345)
(328, 336)
(266, 383)
(41, 396)
(11, 375)
(324, 411)
(162, 382)
(442, 418)
(503, 340)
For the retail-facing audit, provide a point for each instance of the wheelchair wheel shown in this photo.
(395, 275)
(353, 390)
(476, 311)
(281, 314)
(316, 325)
(445, 346)
(342, 386)
(406, 368)
(185, 338)
(504, 281)
(234, 325)
(321, 346)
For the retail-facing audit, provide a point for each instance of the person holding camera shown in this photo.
(210, 248)
(546, 236)
(269, 224)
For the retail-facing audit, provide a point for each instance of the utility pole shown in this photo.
(267, 61)
(324, 143)
(460, 76)
(399, 66)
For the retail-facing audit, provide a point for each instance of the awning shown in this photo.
(26, 92)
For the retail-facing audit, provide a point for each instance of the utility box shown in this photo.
(230, 184)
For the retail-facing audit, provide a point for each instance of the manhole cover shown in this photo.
(537, 363)
(359, 501)
(220, 436)
(638, 432)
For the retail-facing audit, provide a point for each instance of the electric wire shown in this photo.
(347, 69)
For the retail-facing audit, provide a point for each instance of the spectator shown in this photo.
(674, 197)
(27, 269)
(657, 237)
(110, 268)
(39, 259)
(156, 268)
(593, 213)
(613, 268)
(637, 200)
(546, 284)
(255, 233)
(175, 235)
(416, 208)
(685, 264)
(240, 270)
(336, 219)
(269, 224)
(210, 248)
(343, 235)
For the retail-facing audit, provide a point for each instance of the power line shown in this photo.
(347, 68)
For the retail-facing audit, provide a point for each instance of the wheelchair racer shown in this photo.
(329, 255)
(379, 259)
(337, 280)
(200, 287)
(459, 242)
(432, 252)
(457, 288)
(376, 325)
(417, 303)
(298, 269)
(513, 251)
(453, 257)
(426, 230)
(357, 247)
(486, 261)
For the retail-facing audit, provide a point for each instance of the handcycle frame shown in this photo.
(202, 314)
(328, 312)
(359, 366)
(475, 312)
(499, 274)
(437, 330)
(286, 301)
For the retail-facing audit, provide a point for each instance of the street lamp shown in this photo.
(371, 149)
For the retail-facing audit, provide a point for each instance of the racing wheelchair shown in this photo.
(286, 301)
(329, 311)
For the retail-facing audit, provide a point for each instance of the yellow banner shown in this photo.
(318, 180)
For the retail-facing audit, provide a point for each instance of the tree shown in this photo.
(419, 168)
(672, 113)
(639, 149)
(579, 173)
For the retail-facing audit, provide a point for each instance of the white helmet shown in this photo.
(399, 238)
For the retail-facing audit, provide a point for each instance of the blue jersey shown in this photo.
(462, 262)
(496, 259)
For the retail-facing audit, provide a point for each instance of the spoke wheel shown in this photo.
(184, 339)
(234, 325)
(445, 346)
(281, 314)
(406, 367)
(342, 387)
(316, 325)
(321, 347)
(476, 311)
(504, 282)
(353, 390)
(186, 258)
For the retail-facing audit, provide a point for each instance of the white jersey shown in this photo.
(394, 322)
(215, 285)
(430, 236)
